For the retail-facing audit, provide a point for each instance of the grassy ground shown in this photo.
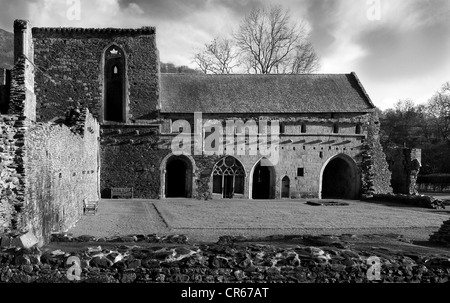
(287, 214)
(207, 220)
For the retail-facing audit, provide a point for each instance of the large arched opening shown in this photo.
(177, 177)
(339, 179)
(263, 180)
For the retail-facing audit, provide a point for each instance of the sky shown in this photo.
(400, 49)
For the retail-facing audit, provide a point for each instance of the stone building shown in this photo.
(323, 128)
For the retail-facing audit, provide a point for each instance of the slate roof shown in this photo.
(274, 93)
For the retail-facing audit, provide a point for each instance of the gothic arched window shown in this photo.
(228, 177)
(114, 84)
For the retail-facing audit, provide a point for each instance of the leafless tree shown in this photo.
(269, 42)
(439, 108)
(217, 57)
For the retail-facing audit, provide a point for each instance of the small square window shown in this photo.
(335, 129)
(303, 130)
(300, 172)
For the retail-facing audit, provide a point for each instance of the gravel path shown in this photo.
(208, 220)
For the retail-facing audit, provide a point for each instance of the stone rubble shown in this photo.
(412, 200)
(232, 259)
(442, 236)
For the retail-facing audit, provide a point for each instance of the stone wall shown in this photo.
(374, 168)
(404, 163)
(277, 259)
(130, 158)
(22, 98)
(134, 156)
(70, 63)
(61, 169)
(12, 200)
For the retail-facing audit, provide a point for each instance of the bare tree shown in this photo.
(439, 109)
(270, 43)
(217, 57)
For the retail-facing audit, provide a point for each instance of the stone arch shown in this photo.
(228, 177)
(262, 180)
(177, 176)
(114, 76)
(285, 187)
(339, 178)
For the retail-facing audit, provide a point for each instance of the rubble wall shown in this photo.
(61, 169)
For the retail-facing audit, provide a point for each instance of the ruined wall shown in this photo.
(70, 70)
(374, 168)
(22, 98)
(12, 130)
(61, 169)
(404, 163)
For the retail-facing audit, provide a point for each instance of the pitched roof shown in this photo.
(275, 93)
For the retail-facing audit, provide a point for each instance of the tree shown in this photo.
(404, 125)
(438, 108)
(217, 57)
(270, 43)
(170, 68)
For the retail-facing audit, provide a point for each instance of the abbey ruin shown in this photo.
(87, 110)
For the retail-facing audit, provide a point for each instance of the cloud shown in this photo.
(403, 55)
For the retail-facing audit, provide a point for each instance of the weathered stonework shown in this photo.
(404, 163)
(61, 170)
(71, 70)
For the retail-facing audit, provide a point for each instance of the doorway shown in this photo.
(178, 178)
(285, 186)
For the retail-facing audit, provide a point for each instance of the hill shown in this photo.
(6, 49)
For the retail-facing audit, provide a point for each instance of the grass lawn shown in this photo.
(252, 214)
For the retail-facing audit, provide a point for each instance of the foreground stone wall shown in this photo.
(300, 259)
(61, 169)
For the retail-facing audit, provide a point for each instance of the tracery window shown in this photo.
(228, 177)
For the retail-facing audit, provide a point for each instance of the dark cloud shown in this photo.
(240, 8)
(395, 52)
(167, 9)
(322, 15)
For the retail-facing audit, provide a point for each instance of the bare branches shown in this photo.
(270, 43)
(217, 57)
(267, 41)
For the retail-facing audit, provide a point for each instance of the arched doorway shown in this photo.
(178, 177)
(115, 84)
(228, 178)
(285, 187)
(263, 180)
(340, 179)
